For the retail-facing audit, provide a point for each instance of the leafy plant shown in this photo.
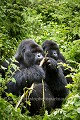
(57, 20)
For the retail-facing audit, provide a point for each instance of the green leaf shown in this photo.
(78, 110)
(1, 79)
(77, 103)
(13, 80)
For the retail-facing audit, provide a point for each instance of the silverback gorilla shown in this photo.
(29, 55)
(53, 51)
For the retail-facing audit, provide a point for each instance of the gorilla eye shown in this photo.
(39, 54)
(55, 53)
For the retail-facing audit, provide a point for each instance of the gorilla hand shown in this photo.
(50, 64)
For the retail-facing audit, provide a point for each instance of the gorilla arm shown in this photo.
(55, 78)
(25, 78)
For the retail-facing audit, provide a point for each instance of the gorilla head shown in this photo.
(29, 53)
(52, 50)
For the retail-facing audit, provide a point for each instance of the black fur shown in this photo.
(36, 99)
(56, 80)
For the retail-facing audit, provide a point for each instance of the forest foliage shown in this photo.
(41, 20)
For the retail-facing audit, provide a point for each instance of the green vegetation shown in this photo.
(57, 20)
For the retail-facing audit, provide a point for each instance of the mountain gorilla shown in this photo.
(29, 55)
(53, 51)
(54, 77)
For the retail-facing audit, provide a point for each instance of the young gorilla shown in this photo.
(29, 55)
(53, 51)
(55, 78)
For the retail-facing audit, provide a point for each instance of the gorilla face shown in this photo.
(52, 54)
(29, 53)
(51, 48)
